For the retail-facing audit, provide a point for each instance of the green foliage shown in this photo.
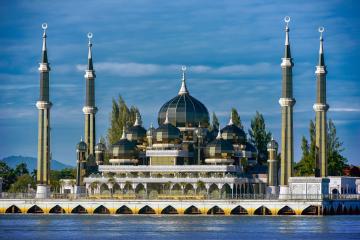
(56, 175)
(214, 122)
(22, 183)
(336, 162)
(121, 117)
(260, 137)
(236, 118)
(7, 174)
(21, 169)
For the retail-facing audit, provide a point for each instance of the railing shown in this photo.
(179, 196)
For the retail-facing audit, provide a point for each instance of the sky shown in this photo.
(232, 49)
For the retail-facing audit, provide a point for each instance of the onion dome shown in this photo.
(81, 146)
(167, 133)
(219, 151)
(100, 147)
(184, 110)
(124, 151)
(136, 133)
(273, 145)
(233, 133)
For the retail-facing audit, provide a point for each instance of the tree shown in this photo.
(121, 116)
(336, 162)
(214, 122)
(21, 169)
(22, 184)
(306, 166)
(260, 137)
(236, 118)
(7, 174)
(56, 175)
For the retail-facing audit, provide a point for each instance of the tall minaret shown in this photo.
(89, 109)
(44, 105)
(320, 108)
(286, 102)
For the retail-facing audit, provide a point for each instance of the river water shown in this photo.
(16, 226)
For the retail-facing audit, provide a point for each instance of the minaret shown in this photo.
(44, 105)
(89, 109)
(286, 102)
(81, 150)
(320, 108)
(272, 148)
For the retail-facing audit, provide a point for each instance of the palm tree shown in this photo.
(200, 184)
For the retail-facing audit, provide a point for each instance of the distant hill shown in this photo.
(31, 163)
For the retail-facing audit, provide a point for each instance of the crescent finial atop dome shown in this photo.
(183, 89)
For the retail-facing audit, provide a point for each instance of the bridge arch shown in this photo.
(57, 209)
(239, 210)
(35, 209)
(79, 210)
(262, 210)
(101, 210)
(13, 209)
(286, 211)
(146, 210)
(124, 210)
(169, 210)
(311, 210)
(192, 210)
(215, 211)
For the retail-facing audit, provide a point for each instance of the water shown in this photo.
(178, 227)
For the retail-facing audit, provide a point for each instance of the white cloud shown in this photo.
(344, 109)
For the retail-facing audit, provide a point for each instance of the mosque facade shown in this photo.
(182, 156)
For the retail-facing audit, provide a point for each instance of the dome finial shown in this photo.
(219, 133)
(81, 139)
(151, 125)
(137, 120)
(123, 136)
(167, 117)
(183, 89)
(231, 119)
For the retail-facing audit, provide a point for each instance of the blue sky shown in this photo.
(233, 51)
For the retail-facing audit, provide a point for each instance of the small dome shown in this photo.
(136, 134)
(151, 131)
(100, 147)
(81, 146)
(233, 133)
(124, 149)
(272, 145)
(219, 148)
(167, 133)
(184, 110)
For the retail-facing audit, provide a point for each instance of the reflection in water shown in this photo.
(177, 227)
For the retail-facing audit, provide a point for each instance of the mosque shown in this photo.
(181, 157)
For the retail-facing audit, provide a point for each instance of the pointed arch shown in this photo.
(262, 210)
(310, 210)
(124, 210)
(104, 189)
(214, 191)
(57, 209)
(13, 209)
(239, 210)
(35, 209)
(140, 189)
(79, 210)
(286, 211)
(225, 191)
(116, 188)
(101, 210)
(215, 211)
(189, 189)
(192, 210)
(169, 210)
(146, 210)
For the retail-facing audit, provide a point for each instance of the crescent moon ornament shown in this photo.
(287, 19)
(44, 26)
(90, 35)
(321, 29)
(183, 68)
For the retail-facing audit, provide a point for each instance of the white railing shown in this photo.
(169, 168)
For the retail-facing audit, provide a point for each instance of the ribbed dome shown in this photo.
(167, 133)
(136, 133)
(272, 145)
(219, 148)
(233, 133)
(124, 149)
(100, 147)
(184, 110)
(81, 146)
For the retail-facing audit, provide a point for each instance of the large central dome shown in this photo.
(184, 110)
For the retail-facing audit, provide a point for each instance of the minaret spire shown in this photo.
(231, 119)
(183, 89)
(286, 102)
(219, 133)
(43, 105)
(90, 109)
(320, 108)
